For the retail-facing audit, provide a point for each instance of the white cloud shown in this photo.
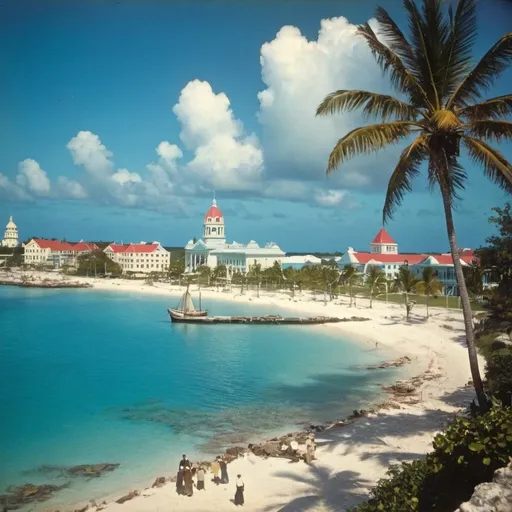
(32, 178)
(87, 149)
(330, 197)
(11, 191)
(123, 176)
(70, 188)
(169, 153)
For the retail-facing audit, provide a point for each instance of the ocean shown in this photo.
(89, 377)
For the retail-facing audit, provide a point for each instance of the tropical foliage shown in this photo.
(441, 106)
(350, 278)
(429, 284)
(405, 282)
(375, 280)
(97, 262)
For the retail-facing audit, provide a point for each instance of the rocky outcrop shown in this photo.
(128, 497)
(20, 495)
(390, 364)
(79, 471)
(495, 496)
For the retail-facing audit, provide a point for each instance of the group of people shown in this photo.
(185, 478)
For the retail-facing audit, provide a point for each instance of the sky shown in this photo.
(119, 120)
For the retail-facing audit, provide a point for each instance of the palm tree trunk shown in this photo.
(406, 298)
(371, 297)
(428, 295)
(466, 306)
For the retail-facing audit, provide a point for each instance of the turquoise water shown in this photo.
(89, 377)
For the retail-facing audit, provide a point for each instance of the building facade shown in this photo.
(212, 249)
(54, 253)
(384, 255)
(10, 239)
(140, 258)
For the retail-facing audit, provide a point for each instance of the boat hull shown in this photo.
(176, 313)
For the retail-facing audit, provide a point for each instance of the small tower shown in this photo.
(383, 244)
(213, 227)
(10, 235)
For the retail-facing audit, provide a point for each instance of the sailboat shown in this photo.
(186, 308)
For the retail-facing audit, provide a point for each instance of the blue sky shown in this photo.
(119, 118)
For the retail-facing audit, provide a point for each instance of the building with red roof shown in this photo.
(140, 258)
(55, 253)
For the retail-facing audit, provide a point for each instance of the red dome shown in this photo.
(383, 238)
(213, 212)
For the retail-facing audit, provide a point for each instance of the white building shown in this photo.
(298, 262)
(54, 253)
(10, 235)
(212, 249)
(140, 258)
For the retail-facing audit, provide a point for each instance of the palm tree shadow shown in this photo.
(331, 490)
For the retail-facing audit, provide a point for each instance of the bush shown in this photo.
(465, 455)
(498, 375)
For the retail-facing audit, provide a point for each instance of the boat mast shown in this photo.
(200, 309)
(185, 297)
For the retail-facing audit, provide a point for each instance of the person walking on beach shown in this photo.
(215, 470)
(200, 478)
(184, 462)
(239, 494)
(309, 449)
(179, 482)
(187, 481)
(224, 478)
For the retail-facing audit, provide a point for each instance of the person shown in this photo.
(187, 481)
(239, 494)
(200, 478)
(224, 478)
(184, 462)
(215, 470)
(179, 482)
(309, 450)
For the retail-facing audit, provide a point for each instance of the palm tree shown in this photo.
(350, 277)
(405, 282)
(474, 277)
(255, 273)
(442, 107)
(374, 279)
(429, 284)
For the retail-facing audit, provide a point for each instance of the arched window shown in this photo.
(217, 219)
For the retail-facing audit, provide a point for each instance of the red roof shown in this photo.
(146, 248)
(53, 245)
(412, 259)
(383, 238)
(85, 247)
(446, 259)
(213, 212)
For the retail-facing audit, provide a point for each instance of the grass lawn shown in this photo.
(434, 302)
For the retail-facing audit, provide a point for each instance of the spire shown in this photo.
(10, 218)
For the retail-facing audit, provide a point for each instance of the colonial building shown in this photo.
(10, 235)
(140, 258)
(384, 254)
(54, 253)
(212, 249)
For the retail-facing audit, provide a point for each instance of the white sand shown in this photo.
(350, 460)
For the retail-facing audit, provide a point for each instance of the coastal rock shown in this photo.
(390, 364)
(401, 388)
(91, 470)
(495, 496)
(159, 481)
(235, 451)
(17, 496)
(128, 497)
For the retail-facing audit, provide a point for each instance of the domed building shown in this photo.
(212, 249)
(10, 235)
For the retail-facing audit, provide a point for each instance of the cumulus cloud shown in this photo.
(123, 176)
(87, 150)
(70, 188)
(32, 178)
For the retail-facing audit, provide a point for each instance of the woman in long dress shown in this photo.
(224, 478)
(239, 494)
(187, 480)
(309, 450)
(200, 479)
(215, 470)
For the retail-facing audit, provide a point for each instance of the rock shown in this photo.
(390, 364)
(128, 497)
(20, 495)
(91, 470)
(358, 413)
(235, 451)
(159, 481)
(495, 496)
(317, 428)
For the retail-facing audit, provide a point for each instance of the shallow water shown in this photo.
(89, 377)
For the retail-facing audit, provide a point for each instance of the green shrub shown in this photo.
(498, 374)
(465, 455)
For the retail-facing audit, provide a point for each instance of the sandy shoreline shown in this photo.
(351, 459)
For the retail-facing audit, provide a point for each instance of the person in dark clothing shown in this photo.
(184, 462)
(224, 478)
(188, 483)
(179, 482)
(239, 494)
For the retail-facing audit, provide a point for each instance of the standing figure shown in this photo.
(187, 481)
(179, 482)
(184, 462)
(224, 478)
(309, 450)
(215, 470)
(200, 478)
(239, 494)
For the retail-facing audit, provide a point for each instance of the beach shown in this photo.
(350, 459)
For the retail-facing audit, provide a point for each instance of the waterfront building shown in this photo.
(54, 253)
(10, 239)
(385, 255)
(140, 258)
(299, 262)
(212, 249)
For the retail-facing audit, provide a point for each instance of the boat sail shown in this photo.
(186, 307)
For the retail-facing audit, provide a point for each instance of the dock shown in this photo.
(257, 320)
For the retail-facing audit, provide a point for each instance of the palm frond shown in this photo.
(484, 74)
(496, 167)
(405, 171)
(374, 104)
(493, 108)
(456, 55)
(490, 129)
(395, 38)
(445, 120)
(401, 78)
(368, 139)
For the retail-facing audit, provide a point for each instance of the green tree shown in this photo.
(375, 279)
(474, 276)
(442, 107)
(429, 284)
(405, 282)
(219, 271)
(97, 262)
(255, 275)
(205, 273)
(349, 277)
(176, 268)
